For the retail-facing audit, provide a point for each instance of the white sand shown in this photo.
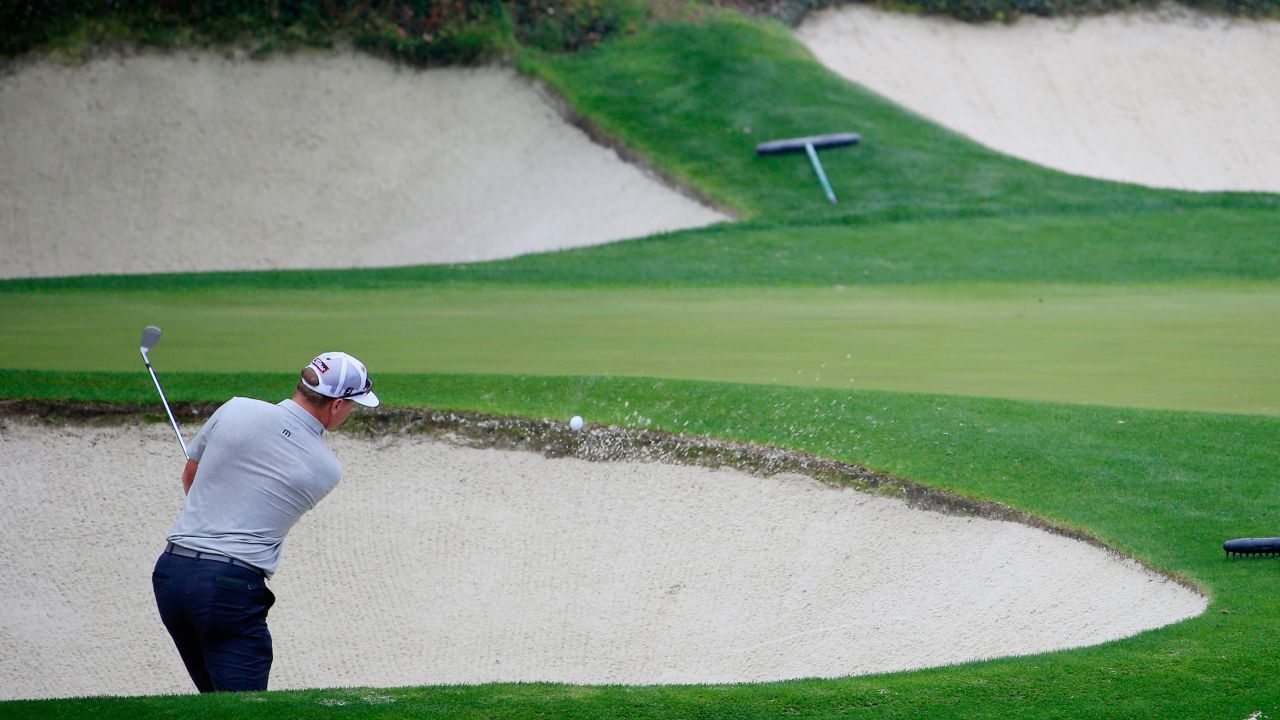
(193, 162)
(437, 564)
(1167, 98)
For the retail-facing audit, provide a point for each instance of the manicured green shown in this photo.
(1213, 347)
(1167, 486)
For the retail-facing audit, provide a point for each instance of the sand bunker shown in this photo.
(1167, 98)
(434, 563)
(196, 162)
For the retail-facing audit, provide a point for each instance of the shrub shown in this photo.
(418, 31)
(443, 31)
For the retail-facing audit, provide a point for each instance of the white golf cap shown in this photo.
(342, 376)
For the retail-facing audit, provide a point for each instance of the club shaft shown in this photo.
(165, 401)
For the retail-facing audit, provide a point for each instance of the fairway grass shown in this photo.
(1191, 347)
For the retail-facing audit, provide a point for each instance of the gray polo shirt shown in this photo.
(261, 467)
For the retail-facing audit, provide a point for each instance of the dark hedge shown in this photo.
(419, 31)
(427, 32)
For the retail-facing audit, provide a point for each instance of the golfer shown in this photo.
(252, 471)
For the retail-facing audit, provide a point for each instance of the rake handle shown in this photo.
(817, 168)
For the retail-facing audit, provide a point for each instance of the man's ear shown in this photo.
(334, 404)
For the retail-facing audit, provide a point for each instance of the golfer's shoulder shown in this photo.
(242, 412)
(244, 405)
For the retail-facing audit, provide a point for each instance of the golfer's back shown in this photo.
(261, 466)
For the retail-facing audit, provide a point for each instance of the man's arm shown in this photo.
(195, 450)
(189, 476)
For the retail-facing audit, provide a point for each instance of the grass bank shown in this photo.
(694, 99)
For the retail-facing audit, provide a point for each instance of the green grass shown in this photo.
(1125, 248)
(944, 251)
(1201, 347)
(696, 99)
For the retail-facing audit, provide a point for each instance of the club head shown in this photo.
(150, 336)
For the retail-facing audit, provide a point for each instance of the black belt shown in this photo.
(188, 552)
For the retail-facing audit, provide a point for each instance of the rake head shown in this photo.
(1249, 547)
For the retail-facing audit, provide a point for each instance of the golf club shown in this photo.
(151, 336)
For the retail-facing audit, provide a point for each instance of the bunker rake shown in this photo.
(1245, 547)
(810, 146)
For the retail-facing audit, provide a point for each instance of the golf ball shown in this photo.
(575, 423)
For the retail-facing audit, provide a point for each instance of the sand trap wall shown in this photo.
(1167, 98)
(438, 563)
(193, 162)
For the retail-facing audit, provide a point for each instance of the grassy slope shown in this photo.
(686, 95)
(1167, 486)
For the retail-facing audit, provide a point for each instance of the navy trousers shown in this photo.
(216, 613)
